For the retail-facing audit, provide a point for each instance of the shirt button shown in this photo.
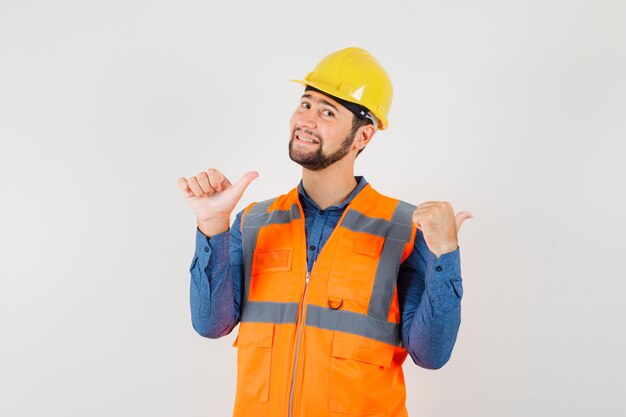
(206, 248)
(312, 247)
(322, 212)
(439, 268)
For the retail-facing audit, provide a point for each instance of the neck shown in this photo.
(330, 186)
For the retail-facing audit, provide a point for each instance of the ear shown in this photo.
(363, 136)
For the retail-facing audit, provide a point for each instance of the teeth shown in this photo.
(309, 140)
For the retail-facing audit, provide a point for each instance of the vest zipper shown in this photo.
(300, 325)
(306, 286)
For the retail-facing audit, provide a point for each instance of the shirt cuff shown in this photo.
(444, 272)
(205, 245)
(202, 243)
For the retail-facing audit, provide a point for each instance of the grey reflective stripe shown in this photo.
(358, 222)
(355, 323)
(261, 206)
(269, 312)
(403, 213)
(389, 264)
(256, 218)
(385, 280)
(273, 217)
(249, 236)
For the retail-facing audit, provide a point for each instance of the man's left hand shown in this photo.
(440, 226)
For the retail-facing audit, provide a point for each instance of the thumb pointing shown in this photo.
(461, 217)
(240, 186)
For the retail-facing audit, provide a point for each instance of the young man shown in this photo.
(332, 284)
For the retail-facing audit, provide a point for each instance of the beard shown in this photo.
(318, 160)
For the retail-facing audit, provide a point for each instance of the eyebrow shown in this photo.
(328, 103)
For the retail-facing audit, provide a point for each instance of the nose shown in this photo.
(306, 119)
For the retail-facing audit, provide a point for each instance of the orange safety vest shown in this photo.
(328, 342)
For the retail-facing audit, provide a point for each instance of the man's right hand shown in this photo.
(212, 198)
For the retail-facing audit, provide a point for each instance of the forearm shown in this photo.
(431, 325)
(214, 308)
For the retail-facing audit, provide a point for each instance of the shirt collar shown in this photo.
(307, 202)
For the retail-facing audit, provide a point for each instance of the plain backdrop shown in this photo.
(513, 110)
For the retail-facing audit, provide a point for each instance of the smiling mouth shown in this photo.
(306, 139)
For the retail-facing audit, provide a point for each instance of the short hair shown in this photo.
(357, 123)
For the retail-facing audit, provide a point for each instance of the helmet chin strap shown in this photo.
(374, 120)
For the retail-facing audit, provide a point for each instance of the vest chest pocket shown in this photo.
(254, 357)
(271, 276)
(361, 378)
(271, 260)
(354, 267)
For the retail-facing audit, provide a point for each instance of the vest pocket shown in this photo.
(271, 260)
(254, 357)
(361, 380)
(354, 267)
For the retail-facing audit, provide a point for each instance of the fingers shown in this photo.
(205, 183)
(195, 187)
(427, 204)
(225, 184)
(182, 184)
(215, 179)
(209, 182)
(429, 210)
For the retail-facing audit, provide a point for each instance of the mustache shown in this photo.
(308, 133)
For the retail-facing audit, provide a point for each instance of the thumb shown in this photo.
(460, 217)
(240, 186)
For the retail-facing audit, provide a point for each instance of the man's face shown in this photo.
(320, 132)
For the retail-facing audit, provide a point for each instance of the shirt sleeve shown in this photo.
(217, 282)
(430, 291)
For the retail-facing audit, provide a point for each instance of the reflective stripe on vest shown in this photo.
(256, 218)
(396, 232)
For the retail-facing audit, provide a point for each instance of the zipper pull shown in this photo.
(308, 276)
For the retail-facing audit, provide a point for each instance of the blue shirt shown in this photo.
(429, 288)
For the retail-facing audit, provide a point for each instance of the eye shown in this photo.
(328, 113)
(305, 105)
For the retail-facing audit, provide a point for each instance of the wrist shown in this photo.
(212, 227)
(444, 250)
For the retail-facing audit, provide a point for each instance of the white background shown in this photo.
(515, 111)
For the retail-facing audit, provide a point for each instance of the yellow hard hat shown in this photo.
(354, 75)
